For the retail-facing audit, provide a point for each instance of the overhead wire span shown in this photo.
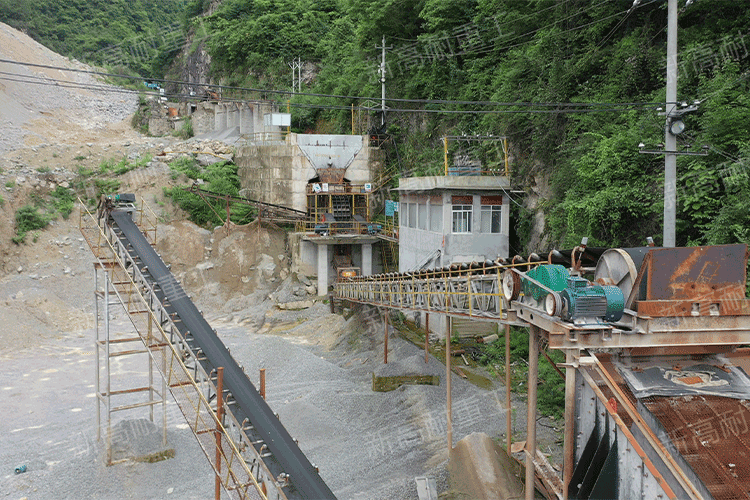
(576, 106)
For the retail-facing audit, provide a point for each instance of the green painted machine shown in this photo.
(572, 298)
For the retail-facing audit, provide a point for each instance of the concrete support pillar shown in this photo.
(367, 259)
(246, 119)
(322, 269)
(221, 117)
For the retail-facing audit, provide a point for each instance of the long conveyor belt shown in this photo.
(285, 456)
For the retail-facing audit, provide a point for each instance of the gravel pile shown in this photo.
(368, 445)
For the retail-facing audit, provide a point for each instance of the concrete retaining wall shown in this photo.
(279, 172)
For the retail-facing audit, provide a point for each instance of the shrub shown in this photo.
(186, 131)
(187, 166)
(63, 200)
(28, 218)
(551, 388)
(106, 186)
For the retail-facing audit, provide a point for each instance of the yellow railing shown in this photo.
(334, 228)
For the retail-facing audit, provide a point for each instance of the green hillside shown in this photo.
(533, 51)
(580, 82)
(142, 35)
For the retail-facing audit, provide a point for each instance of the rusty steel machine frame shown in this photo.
(689, 301)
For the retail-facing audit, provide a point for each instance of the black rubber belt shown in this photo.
(303, 477)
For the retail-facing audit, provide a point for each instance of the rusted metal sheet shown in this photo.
(712, 434)
(675, 376)
(697, 273)
(719, 307)
(332, 175)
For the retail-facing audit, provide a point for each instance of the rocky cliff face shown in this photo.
(194, 63)
(192, 66)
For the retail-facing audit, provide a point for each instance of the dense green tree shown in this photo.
(132, 34)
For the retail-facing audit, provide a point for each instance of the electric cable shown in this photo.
(576, 105)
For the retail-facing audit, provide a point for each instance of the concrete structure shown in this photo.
(283, 172)
(241, 118)
(313, 255)
(279, 171)
(452, 219)
(247, 117)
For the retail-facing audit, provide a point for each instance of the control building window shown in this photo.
(492, 209)
(422, 216)
(413, 215)
(462, 218)
(491, 218)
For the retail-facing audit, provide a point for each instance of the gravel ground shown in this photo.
(369, 445)
(49, 425)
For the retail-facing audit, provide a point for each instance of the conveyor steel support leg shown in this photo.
(164, 396)
(385, 341)
(508, 409)
(150, 372)
(531, 411)
(98, 353)
(219, 415)
(448, 410)
(109, 385)
(263, 383)
(427, 338)
(570, 425)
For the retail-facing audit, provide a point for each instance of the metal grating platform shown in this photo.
(712, 434)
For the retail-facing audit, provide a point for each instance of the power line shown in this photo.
(102, 87)
(575, 105)
(344, 107)
(512, 21)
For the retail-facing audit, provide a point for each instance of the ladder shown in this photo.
(389, 253)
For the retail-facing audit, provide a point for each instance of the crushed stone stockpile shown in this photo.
(42, 105)
(368, 445)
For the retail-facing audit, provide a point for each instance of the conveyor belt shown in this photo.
(305, 482)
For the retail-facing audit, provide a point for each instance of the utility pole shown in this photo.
(670, 140)
(299, 73)
(296, 66)
(381, 72)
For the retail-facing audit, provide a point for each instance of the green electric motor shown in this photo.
(581, 299)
